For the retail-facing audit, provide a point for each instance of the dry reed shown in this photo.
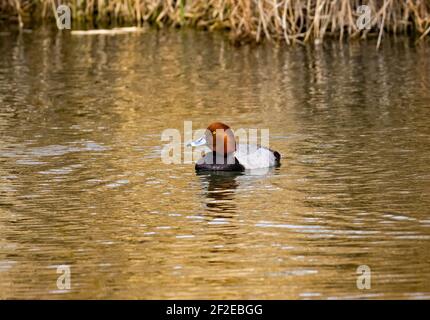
(292, 21)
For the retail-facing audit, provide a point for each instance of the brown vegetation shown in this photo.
(285, 20)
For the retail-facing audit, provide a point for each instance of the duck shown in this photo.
(227, 155)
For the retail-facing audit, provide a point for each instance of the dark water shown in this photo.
(82, 183)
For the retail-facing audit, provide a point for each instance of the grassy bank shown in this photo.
(246, 20)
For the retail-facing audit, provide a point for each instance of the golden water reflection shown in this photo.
(82, 182)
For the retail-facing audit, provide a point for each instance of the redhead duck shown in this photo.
(227, 155)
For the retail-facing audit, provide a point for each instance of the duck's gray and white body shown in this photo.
(256, 157)
(246, 157)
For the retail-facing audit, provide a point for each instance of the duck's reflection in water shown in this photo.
(226, 229)
(220, 188)
(223, 231)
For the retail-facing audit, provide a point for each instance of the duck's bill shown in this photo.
(197, 143)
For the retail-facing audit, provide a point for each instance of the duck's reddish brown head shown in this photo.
(220, 138)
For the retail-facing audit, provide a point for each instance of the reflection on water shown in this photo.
(220, 188)
(82, 183)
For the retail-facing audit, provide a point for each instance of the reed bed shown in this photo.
(292, 21)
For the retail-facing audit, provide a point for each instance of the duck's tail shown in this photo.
(277, 157)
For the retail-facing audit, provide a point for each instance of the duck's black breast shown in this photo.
(212, 162)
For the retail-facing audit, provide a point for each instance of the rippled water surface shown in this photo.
(82, 183)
